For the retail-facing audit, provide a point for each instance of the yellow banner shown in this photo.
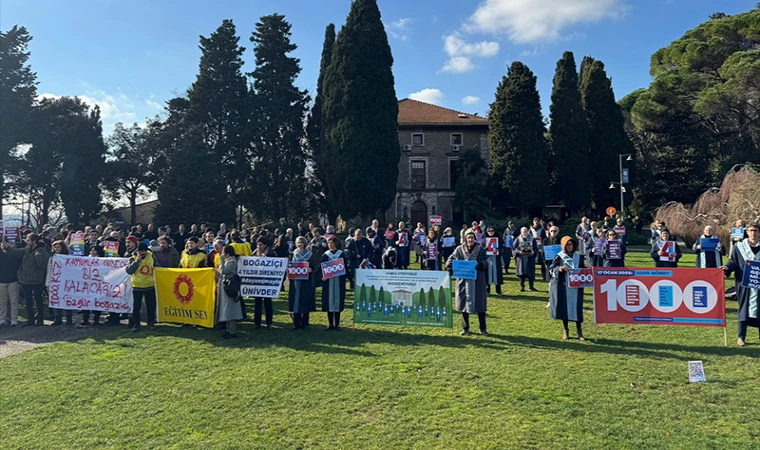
(186, 296)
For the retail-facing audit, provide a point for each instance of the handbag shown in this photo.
(231, 286)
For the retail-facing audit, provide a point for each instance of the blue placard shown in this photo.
(700, 296)
(666, 296)
(550, 251)
(510, 241)
(737, 233)
(464, 270)
(751, 277)
(709, 244)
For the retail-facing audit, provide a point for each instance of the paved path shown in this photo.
(19, 339)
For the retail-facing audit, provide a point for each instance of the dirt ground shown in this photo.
(14, 340)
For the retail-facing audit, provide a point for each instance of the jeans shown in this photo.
(150, 304)
(268, 310)
(33, 295)
(9, 297)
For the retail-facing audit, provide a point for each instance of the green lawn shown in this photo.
(383, 387)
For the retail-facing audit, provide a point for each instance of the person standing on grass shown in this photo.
(495, 274)
(657, 251)
(263, 250)
(376, 259)
(552, 239)
(709, 258)
(32, 275)
(301, 294)
(566, 303)
(10, 262)
(749, 299)
(402, 246)
(143, 286)
(508, 240)
(229, 311)
(59, 248)
(609, 259)
(471, 294)
(431, 251)
(333, 289)
(86, 313)
(538, 233)
(525, 249)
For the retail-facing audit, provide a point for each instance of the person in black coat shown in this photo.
(360, 249)
(657, 252)
(378, 244)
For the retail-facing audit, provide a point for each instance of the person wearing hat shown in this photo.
(192, 257)
(566, 303)
(143, 286)
(471, 294)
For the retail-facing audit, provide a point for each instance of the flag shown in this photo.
(186, 296)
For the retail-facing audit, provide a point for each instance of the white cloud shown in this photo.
(114, 108)
(524, 21)
(471, 100)
(429, 95)
(458, 64)
(455, 46)
(400, 28)
(154, 104)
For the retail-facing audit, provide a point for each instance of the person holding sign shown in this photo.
(59, 248)
(594, 244)
(552, 247)
(376, 240)
(738, 234)
(621, 231)
(508, 240)
(334, 289)
(709, 250)
(566, 303)
(448, 243)
(526, 249)
(263, 249)
(360, 251)
(402, 246)
(665, 253)
(143, 286)
(229, 312)
(746, 251)
(494, 246)
(538, 233)
(431, 252)
(301, 294)
(613, 251)
(471, 294)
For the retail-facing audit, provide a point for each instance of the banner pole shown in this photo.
(725, 335)
(596, 333)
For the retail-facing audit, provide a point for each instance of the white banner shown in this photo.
(96, 284)
(261, 276)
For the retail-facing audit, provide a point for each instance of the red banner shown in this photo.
(660, 296)
(298, 270)
(332, 269)
(436, 220)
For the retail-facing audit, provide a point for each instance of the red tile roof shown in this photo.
(414, 112)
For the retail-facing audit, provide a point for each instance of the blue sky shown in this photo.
(130, 56)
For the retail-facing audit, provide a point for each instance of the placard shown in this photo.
(11, 235)
(737, 233)
(581, 278)
(614, 250)
(620, 231)
(422, 238)
(389, 235)
(261, 276)
(492, 246)
(432, 252)
(510, 242)
(550, 251)
(464, 270)
(538, 242)
(660, 296)
(76, 244)
(669, 248)
(751, 278)
(298, 270)
(403, 239)
(332, 269)
(436, 220)
(94, 284)
(111, 249)
(599, 245)
(449, 241)
(709, 244)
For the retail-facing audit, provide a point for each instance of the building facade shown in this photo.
(431, 140)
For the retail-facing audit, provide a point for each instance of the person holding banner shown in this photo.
(566, 303)
(613, 251)
(334, 289)
(471, 294)
(660, 254)
(301, 294)
(228, 310)
(143, 286)
(526, 249)
(495, 273)
(709, 257)
(32, 275)
(746, 251)
(59, 248)
(263, 249)
(192, 256)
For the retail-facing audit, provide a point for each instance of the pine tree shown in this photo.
(607, 138)
(279, 172)
(18, 89)
(359, 149)
(517, 139)
(568, 139)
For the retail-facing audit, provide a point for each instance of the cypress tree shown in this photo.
(568, 139)
(517, 139)
(359, 149)
(279, 172)
(607, 138)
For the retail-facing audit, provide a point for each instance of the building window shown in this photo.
(453, 173)
(456, 139)
(418, 175)
(418, 139)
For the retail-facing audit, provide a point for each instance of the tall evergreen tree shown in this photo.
(314, 122)
(18, 89)
(517, 140)
(280, 157)
(568, 139)
(607, 138)
(219, 109)
(359, 149)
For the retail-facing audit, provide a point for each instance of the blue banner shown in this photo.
(625, 176)
(709, 244)
(464, 270)
(550, 251)
(737, 233)
(751, 277)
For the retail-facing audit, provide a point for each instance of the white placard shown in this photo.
(95, 284)
(696, 372)
(261, 276)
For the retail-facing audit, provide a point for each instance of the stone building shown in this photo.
(431, 139)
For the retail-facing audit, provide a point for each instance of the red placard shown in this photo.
(403, 239)
(389, 235)
(436, 220)
(332, 269)
(492, 246)
(660, 296)
(11, 235)
(581, 278)
(298, 270)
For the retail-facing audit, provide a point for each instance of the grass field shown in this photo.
(383, 387)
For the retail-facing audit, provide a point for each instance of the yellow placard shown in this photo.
(186, 296)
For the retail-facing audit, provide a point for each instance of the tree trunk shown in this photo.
(132, 207)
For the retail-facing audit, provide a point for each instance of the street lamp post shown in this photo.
(620, 183)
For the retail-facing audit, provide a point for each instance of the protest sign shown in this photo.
(492, 246)
(611, 211)
(77, 244)
(449, 241)
(669, 248)
(366, 265)
(436, 220)
(620, 231)
(332, 269)
(422, 238)
(464, 269)
(389, 235)
(550, 251)
(599, 245)
(403, 297)
(11, 235)
(111, 249)
(709, 244)
(95, 284)
(186, 295)
(737, 233)
(614, 250)
(581, 278)
(751, 277)
(479, 238)
(538, 242)
(510, 242)
(432, 252)
(660, 296)
(298, 270)
(261, 276)
(403, 239)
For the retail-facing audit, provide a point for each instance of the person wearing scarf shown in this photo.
(263, 249)
(593, 258)
(525, 249)
(566, 303)
(301, 296)
(333, 289)
(495, 274)
(712, 258)
(746, 250)
(656, 252)
(471, 294)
